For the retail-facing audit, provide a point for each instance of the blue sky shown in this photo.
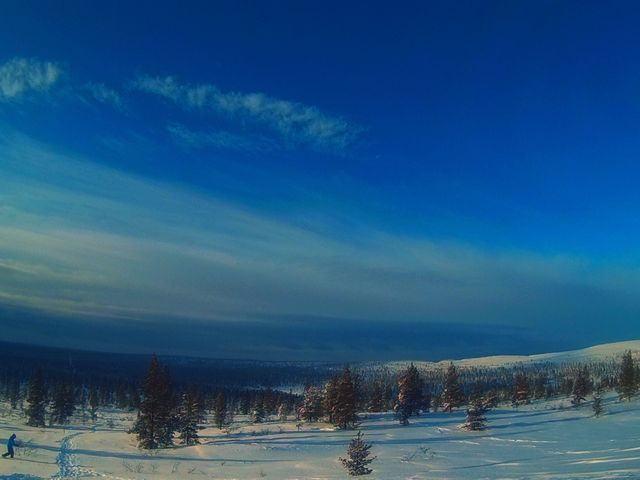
(272, 179)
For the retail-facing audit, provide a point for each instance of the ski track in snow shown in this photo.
(66, 460)
(67, 463)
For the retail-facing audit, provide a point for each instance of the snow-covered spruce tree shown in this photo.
(283, 411)
(220, 411)
(520, 389)
(189, 417)
(597, 407)
(581, 386)
(409, 394)
(311, 409)
(475, 416)
(330, 398)
(258, 414)
(62, 404)
(358, 457)
(156, 418)
(627, 381)
(344, 408)
(36, 398)
(452, 394)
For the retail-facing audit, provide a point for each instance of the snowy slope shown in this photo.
(598, 352)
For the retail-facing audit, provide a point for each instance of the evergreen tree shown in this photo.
(133, 397)
(425, 405)
(245, 403)
(452, 394)
(189, 418)
(520, 389)
(344, 408)
(331, 398)
(389, 401)
(475, 416)
(62, 404)
(93, 404)
(581, 386)
(121, 399)
(311, 409)
(358, 453)
(283, 411)
(627, 381)
(258, 413)
(156, 419)
(36, 397)
(540, 387)
(14, 393)
(269, 401)
(377, 400)
(220, 411)
(598, 409)
(409, 394)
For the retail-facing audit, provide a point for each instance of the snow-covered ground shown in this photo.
(546, 440)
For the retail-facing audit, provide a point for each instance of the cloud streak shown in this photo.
(218, 139)
(295, 122)
(101, 93)
(20, 77)
(81, 240)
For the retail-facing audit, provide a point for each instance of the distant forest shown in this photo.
(176, 394)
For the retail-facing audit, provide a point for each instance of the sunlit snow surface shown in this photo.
(547, 440)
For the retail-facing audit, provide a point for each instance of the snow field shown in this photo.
(545, 440)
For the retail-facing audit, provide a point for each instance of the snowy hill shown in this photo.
(597, 352)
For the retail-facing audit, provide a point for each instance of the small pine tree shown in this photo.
(311, 409)
(358, 453)
(283, 411)
(220, 411)
(627, 381)
(475, 416)
(330, 398)
(36, 398)
(452, 394)
(344, 408)
(581, 386)
(598, 409)
(258, 414)
(409, 394)
(188, 419)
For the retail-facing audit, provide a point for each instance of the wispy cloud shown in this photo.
(101, 93)
(295, 122)
(219, 139)
(22, 76)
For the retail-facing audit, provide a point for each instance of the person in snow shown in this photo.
(10, 444)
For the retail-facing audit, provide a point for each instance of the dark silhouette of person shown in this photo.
(10, 444)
